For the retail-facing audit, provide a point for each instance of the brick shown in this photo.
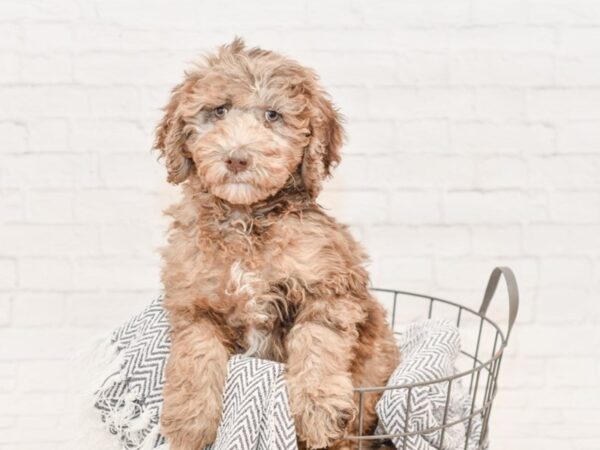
(431, 136)
(8, 274)
(519, 373)
(470, 273)
(416, 13)
(45, 274)
(369, 137)
(38, 309)
(50, 170)
(48, 240)
(499, 103)
(582, 71)
(495, 13)
(110, 136)
(565, 171)
(578, 41)
(95, 36)
(549, 340)
(46, 37)
(501, 69)
(562, 239)
(496, 240)
(565, 272)
(504, 139)
(412, 240)
(50, 206)
(415, 207)
(5, 309)
(507, 207)
(501, 172)
(43, 376)
(110, 103)
(11, 68)
(51, 10)
(352, 68)
(352, 101)
(100, 206)
(527, 443)
(116, 274)
(141, 68)
(11, 36)
(420, 171)
(561, 103)
(130, 240)
(31, 343)
(497, 38)
(357, 207)
(49, 135)
(105, 310)
(14, 136)
(579, 137)
(13, 205)
(47, 69)
(128, 170)
(409, 273)
(578, 12)
(575, 207)
(572, 372)
(422, 69)
(23, 102)
(404, 103)
(553, 305)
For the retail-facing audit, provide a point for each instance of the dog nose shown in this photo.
(237, 163)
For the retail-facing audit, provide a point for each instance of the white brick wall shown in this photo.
(474, 132)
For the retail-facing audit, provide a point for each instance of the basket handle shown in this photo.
(513, 294)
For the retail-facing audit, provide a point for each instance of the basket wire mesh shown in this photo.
(483, 344)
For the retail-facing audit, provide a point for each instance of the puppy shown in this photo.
(253, 265)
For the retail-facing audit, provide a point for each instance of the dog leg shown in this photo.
(319, 383)
(195, 378)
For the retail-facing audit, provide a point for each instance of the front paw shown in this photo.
(323, 409)
(186, 429)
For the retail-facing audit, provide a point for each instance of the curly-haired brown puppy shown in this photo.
(253, 264)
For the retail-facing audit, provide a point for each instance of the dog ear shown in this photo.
(171, 138)
(326, 139)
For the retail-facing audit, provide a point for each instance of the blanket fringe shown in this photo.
(111, 421)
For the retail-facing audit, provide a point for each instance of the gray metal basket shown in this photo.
(483, 346)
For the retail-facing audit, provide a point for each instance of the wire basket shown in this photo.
(478, 366)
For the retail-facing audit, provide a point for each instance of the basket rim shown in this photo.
(479, 364)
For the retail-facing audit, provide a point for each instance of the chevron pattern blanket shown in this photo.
(429, 351)
(256, 414)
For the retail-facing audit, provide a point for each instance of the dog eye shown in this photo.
(220, 111)
(271, 115)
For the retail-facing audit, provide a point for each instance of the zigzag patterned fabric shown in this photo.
(256, 413)
(130, 398)
(429, 352)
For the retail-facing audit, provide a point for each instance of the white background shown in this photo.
(474, 141)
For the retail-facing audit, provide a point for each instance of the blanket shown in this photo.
(256, 413)
(429, 351)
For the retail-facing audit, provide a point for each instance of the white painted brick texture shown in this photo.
(474, 141)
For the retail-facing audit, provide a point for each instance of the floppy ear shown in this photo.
(323, 150)
(171, 138)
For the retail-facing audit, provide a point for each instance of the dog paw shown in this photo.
(322, 412)
(190, 433)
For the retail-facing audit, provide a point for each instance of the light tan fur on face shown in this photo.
(253, 265)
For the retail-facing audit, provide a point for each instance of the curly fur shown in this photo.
(253, 264)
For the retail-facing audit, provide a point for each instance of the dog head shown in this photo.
(244, 121)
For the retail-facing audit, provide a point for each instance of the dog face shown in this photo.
(244, 122)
